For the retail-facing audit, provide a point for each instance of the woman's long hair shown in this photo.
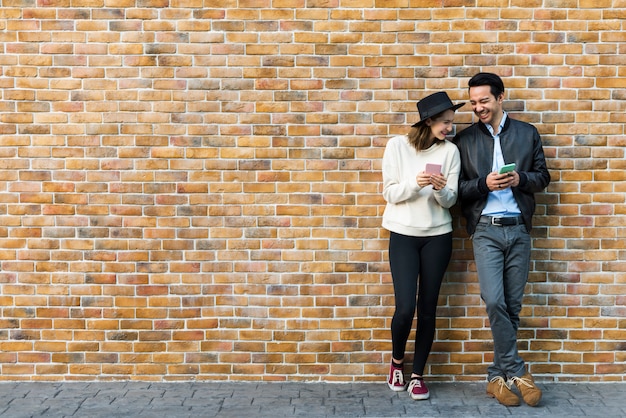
(419, 136)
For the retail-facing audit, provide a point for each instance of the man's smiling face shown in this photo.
(487, 107)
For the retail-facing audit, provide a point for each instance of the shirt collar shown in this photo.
(502, 122)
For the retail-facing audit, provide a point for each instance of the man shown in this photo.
(498, 209)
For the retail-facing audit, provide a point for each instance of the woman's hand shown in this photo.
(438, 181)
(424, 179)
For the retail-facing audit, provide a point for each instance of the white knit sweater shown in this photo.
(411, 209)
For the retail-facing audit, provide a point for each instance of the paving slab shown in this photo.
(286, 399)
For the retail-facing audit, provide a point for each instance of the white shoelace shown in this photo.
(416, 382)
(397, 377)
(521, 381)
(500, 380)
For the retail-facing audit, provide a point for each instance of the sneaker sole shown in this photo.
(420, 397)
(396, 388)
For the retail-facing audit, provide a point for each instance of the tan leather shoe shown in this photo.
(526, 386)
(499, 389)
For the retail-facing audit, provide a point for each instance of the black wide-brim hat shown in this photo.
(433, 105)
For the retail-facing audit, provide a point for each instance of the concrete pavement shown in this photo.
(291, 399)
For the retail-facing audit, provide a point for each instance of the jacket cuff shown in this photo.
(482, 185)
(523, 179)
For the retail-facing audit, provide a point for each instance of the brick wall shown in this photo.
(192, 190)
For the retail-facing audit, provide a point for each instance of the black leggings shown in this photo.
(410, 258)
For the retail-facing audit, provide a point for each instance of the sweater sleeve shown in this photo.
(396, 189)
(447, 196)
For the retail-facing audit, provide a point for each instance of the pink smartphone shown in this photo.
(433, 169)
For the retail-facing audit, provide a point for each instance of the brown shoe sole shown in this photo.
(505, 404)
(533, 402)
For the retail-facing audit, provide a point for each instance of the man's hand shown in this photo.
(497, 181)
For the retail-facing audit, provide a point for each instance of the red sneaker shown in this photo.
(418, 390)
(396, 378)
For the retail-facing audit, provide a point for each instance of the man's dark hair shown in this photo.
(488, 79)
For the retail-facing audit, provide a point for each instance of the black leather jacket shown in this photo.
(521, 144)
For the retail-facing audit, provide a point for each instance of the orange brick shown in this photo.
(205, 202)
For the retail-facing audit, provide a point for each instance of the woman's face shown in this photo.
(441, 127)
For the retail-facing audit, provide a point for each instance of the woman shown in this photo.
(420, 176)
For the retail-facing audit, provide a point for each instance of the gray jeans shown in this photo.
(502, 256)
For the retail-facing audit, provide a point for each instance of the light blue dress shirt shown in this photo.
(500, 202)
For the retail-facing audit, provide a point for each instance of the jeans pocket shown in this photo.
(480, 227)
